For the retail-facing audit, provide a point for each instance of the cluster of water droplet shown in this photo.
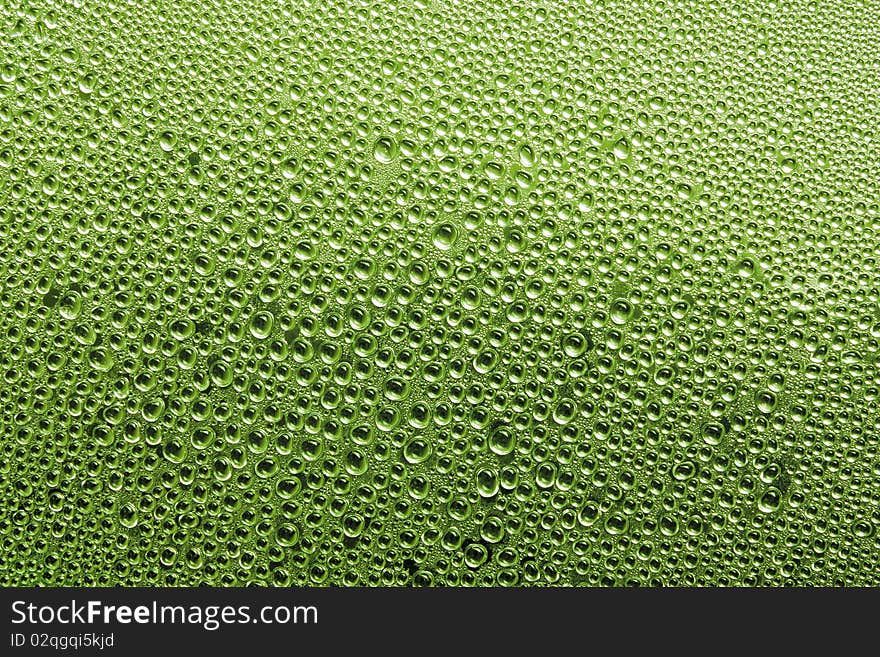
(422, 293)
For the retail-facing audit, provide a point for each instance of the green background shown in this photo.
(439, 293)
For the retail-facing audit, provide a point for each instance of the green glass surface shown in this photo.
(439, 293)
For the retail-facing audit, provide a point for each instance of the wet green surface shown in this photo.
(475, 293)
